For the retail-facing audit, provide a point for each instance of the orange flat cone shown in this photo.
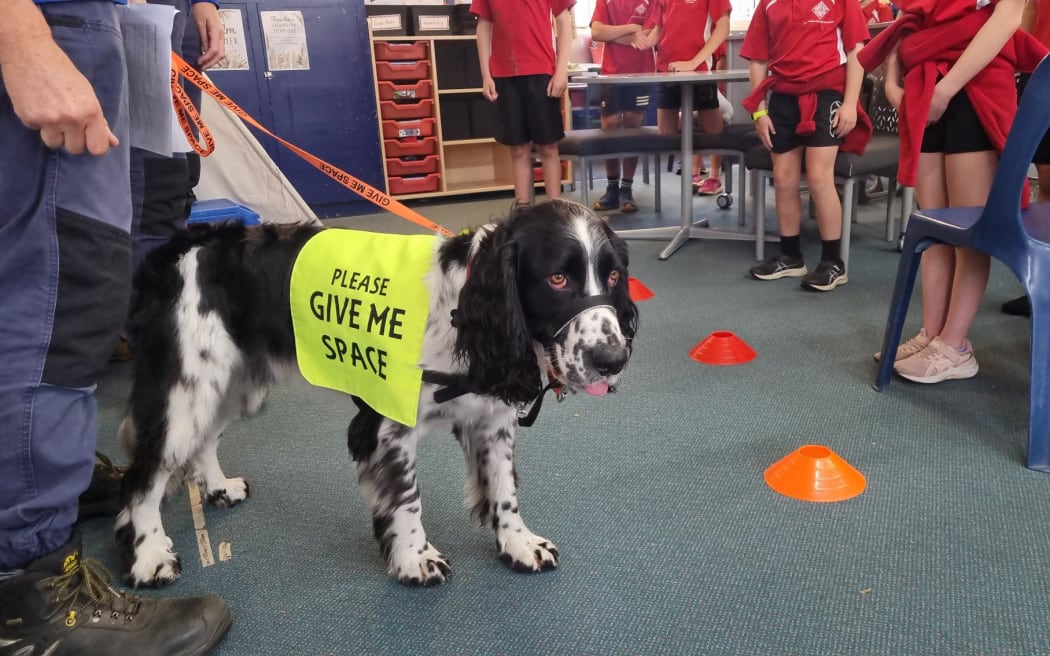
(638, 291)
(815, 473)
(722, 347)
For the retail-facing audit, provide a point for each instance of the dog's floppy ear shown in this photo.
(626, 310)
(492, 336)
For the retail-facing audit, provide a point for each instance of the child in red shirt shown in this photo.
(687, 34)
(621, 25)
(805, 53)
(526, 75)
(876, 12)
(956, 105)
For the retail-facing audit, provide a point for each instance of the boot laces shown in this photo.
(91, 577)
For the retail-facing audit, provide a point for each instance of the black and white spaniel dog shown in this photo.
(541, 292)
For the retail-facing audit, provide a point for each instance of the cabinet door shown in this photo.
(323, 103)
(330, 107)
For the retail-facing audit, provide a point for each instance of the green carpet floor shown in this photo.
(671, 542)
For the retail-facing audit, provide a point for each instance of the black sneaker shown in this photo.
(610, 201)
(102, 497)
(1018, 307)
(827, 276)
(779, 266)
(61, 605)
(627, 200)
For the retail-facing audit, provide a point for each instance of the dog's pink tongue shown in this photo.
(597, 389)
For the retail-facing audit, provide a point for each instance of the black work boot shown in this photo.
(102, 498)
(62, 605)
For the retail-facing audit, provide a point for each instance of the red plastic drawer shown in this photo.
(418, 91)
(388, 109)
(421, 166)
(402, 70)
(537, 171)
(420, 127)
(410, 147)
(415, 184)
(400, 50)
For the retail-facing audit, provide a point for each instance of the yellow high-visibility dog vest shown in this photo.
(359, 309)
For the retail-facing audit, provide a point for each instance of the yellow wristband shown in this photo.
(759, 114)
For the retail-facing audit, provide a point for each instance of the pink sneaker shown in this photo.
(696, 182)
(910, 347)
(939, 361)
(710, 187)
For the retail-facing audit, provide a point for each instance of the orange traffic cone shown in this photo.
(722, 347)
(815, 473)
(638, 291)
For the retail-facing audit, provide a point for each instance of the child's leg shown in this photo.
(631, 119)
(711, 122)
(612, 121)
(938, 262)
(787, 174)
(521, 167)
(969, 179)
(667, 121)
(551, 169)
(820, 177)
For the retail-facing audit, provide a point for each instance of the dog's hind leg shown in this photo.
(387, 479)
(492, 494)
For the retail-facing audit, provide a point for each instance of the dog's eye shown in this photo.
(558, 280)
(614, 277)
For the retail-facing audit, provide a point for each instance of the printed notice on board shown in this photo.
(285, 34)
(236, 58)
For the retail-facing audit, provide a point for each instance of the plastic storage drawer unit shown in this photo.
(410, 147)
(422, 127)
(418, 91)
(401, 50)
(396, 166)
(415, 184)
(402, 70)
(388, 109)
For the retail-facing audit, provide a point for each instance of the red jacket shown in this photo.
(806, 90)
(932, 35)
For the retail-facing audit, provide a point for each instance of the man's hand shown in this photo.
(938, 103)
(49, 94)
(488, 88)
(213, 34)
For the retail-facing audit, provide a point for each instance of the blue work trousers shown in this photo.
(65, 275)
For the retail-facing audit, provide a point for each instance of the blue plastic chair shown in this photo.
(1020, 240)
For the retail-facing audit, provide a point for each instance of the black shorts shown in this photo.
(1042, 152)
(785, 114)
(957, 131)
(618, 98)
(705, 96)
(526, 112)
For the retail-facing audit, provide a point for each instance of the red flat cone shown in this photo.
(815, 473)
(638, 291)
(722, 347)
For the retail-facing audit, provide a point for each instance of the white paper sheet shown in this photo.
(147, 47)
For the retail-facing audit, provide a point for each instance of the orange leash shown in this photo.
(186, 113)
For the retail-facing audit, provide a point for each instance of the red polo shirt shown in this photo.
(802, 39)
(619, 58)
(686, 26)
(1041, 23)
(522, 37)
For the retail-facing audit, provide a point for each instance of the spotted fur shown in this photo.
(212, 332)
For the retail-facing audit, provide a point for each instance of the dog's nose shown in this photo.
(607, 359)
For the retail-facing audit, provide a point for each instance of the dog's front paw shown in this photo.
(419, 566)
(155, 564)
(234, 491)
(527, 552)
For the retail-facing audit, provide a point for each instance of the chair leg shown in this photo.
(741, 196)
(849, 202)
(907, 270)
(645, 169)
(907, 200)
(891, 222)
(585, 189)
(1039, 410)
(657, 175)
(760, 216)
